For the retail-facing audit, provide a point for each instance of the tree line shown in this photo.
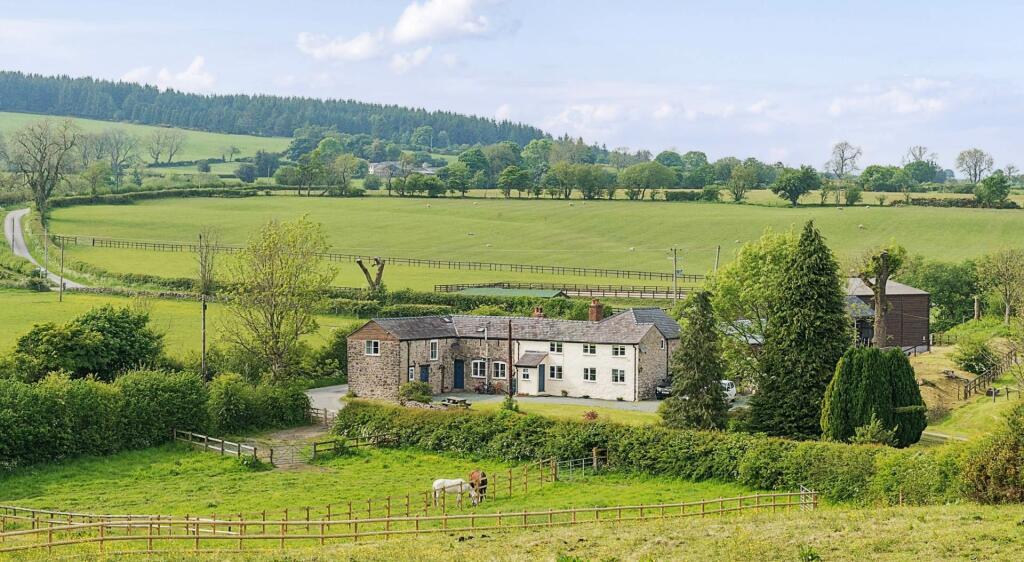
(263, 115)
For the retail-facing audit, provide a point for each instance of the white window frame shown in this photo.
(483, 369)
(619, 374)
(555, 347)
(589, 374)
(589, 349)
(412, 373)
(524, 374)
(552, 370)
(618, 351)
(435, 350)
(371, 348)
(494, 370)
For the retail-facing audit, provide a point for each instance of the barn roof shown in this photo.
(856, 288)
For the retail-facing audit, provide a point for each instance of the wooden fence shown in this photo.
(322, 416)
(97, 242)
(581, 290)
(182, 534)
(213, 444)
(982, 382)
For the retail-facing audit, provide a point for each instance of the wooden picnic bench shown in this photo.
(455, 403)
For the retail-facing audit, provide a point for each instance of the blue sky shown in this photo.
(779, 80)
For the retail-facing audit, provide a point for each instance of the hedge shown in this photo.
(59, 417)
(959, 202)
(361, 304)
(133, 196)
(840, 472)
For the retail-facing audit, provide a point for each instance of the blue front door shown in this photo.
(460, 374)
(540, 378)
(425, 373)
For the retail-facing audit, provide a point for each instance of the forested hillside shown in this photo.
(244, 114)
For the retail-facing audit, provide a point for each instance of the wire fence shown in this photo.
(139, 536)
(98, 242)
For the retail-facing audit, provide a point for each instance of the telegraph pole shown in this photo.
(46, 253)
(675, 275)
(60, 297)
(718, 256)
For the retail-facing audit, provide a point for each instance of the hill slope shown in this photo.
(241, 114)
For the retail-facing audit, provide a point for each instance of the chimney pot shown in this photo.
(596, 311)
(538, 312)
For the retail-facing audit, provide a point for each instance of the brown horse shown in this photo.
(478, 480)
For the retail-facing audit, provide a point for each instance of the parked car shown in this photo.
(664, 389)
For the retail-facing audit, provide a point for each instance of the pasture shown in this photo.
(198, 144)
(613, 234)
(178, 320)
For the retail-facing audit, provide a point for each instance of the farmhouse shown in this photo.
(906, 320)
(622, 356)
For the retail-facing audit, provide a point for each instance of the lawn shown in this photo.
(175, 481)
(198, 144)
(614, 234)
(980, 415)
(178, 320)
(574, 412)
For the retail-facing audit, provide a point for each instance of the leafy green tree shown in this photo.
(1002, 272)
(277, 284)
(742, 178)
(41, 156)
(458, 177)
(266, 163)
(340, 173)
(203, 166)
(537, 157)
(921, 171)
(501, 156)
(475, 160)
(993, 191)
(807, 333)
(97, 175)
(372, 183)
(952, 287)
(246, 172)
(697, 399)
(792, 184)
(423, 136)
(639, 178)
(724, 168)
(513, 177)
(670, 159)
(974, 163)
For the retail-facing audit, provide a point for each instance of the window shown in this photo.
(555, 372)
(412, 374)
(590, 374)
(589, 349)
(433, 350)
(479, 369)
(525, 374)
(371, 347)
(499, 370)
(555, 347)
(661, 344)
(618, 375)
(618, 351)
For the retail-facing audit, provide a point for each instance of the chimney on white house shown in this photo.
(596, 311)
(538, 312)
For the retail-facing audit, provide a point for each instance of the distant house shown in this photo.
(907, 321)
(380, 168)
(623, 356)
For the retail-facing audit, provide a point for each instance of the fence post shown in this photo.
(510, 482)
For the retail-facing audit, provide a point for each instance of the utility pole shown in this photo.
(46, 253)
(60, 296)
(718, 256)
(675, 275)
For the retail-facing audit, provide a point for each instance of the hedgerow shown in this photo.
(840, 472)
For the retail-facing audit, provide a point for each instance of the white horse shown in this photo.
(454, 486)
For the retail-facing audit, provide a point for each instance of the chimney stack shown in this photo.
(596, 311)
(538, 312)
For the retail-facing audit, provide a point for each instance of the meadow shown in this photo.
(198, 144)
(178, 320)
(613, 234)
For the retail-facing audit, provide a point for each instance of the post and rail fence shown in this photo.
(214, 444)
(584, 290)
(570, 271)
(982, 383)
(176, 534)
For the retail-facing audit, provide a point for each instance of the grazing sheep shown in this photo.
(860, 226)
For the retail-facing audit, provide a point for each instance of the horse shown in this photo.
(478, 481)
(456, 486)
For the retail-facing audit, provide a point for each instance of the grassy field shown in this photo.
(198, 144)
(175, 481)
(625, 235)
(179, 321)
(574, 412)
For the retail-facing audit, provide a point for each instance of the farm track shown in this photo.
(14, 233)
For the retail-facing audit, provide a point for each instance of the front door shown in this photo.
(460, 374)
(425, 373)
(540, 378)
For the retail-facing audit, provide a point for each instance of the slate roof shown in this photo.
(626, 327)
(856, 288)
(531, 359)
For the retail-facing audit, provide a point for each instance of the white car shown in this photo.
(729, 388)
(664, 390)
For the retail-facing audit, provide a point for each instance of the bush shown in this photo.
(155, 402)
(230, 405)
(682, 195)
(975, 355)
(408, 310)
(994, 470)
(416, 391)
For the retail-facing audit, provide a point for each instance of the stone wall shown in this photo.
(653, 363)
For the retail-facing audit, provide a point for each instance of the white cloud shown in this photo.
(758, 107)
(663, 111)
(917, 96)
(450, 60)
(364, 46)
(194, 78)
(401, 62)
(503, 112)
(439, 19)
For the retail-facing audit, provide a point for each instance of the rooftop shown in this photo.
(855, 287)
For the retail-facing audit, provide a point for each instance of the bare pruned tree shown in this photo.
(875, 269)
(974, 163)
(918, 153)
(165, 143)
(89, 149)
(844, 159)
(374, 281)
(120, 148)
(41, 155)
(174, 142)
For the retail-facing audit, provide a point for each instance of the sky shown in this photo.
(779, 80)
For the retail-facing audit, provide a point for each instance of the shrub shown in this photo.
(277, 405)
(916, 477)
(230, 405)
(416, 391)
(874, 433)
(407, 310)
(994, 471)
(155, 402)
(92, 412)
(975, 355)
